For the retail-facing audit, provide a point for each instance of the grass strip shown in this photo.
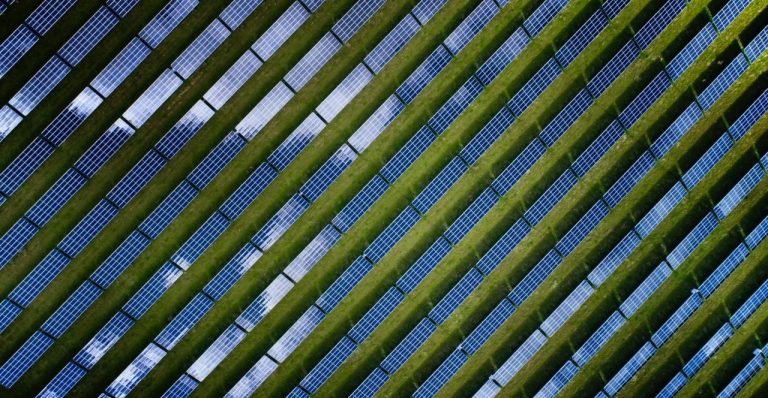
(715, 311)
(723, 366)
(107, 176)
(151, 323)
(80, 140)
(493, 162)
(397, 196)
(44, 48)
(279, 191)
(15, 15)
(538, 242)
(653, 249)
(136, 210)
(323, 210)
(72, 84)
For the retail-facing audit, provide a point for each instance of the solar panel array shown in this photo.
(383, 198)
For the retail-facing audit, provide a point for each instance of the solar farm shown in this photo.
(383, 198)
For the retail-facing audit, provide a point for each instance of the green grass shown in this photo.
(532, 248)
(98, 186)
(230, 178)
(420, 301)
(69, 88)
(669, 358)
(45, 47)
(580, 326)
(715, 311)
(15, 16)
(136, 210)
(732, 356)
(387, 207)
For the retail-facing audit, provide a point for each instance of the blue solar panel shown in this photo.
(36, 281)
(455, 105)
(148, 294)
(658, 22)
(503, 246)
(351, 276)
(360, 203)
(597, 148)
(328, 364)
(483, 331)
(79, 236)
(441, 375)
(439, 185)
(486, 136)
(232, 271)
(371, 384)
(691, 51)
(471, 25)
(71, 309)
(426, 71)
(416, 273)
(407, 154)
(471, 215)
(554, 129)
(541, 17)
(191, 313)
(517, 167)
(216, 160)
(456, 295)
(502, 56)
(644, 99)
(129, 185)
(394, 231)
(375, 315)
(532, 280)
(581, 38)
(114, 265)
(55, 198)
(408, 346)
(540, 80)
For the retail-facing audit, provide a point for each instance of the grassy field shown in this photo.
(758, 385)
(499, 219)
(335, 197)
(102, 118)
(523, 194)
(132, 152)
(325, 208)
